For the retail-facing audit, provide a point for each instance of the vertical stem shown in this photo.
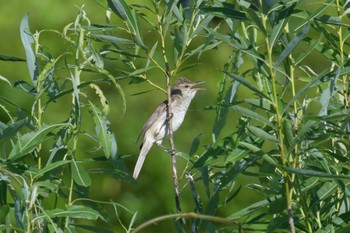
(170, 125)
(279, 121)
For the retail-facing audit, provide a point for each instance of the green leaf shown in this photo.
(2, 78)
(50, 167)
(292, 44)
(288, 134)
(305, 88)
(80, 175)
(120, 8)
(261, 133)
(246, 84)
(28, 88)
(76, 211)
(112, 39)
(4, 211)
(28, 142)
(12, 129)
(278, 28)
(105, 135)
(116, 174)
(252, 114)
(8, 58)
(27, 41)
(333, 20)
(225, 12)
(255, 207)
(195, 144)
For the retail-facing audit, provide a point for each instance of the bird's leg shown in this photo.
(163, 147)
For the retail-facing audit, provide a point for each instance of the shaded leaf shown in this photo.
(10, 58)
(79, 174)
(11, 129)
(292, 44)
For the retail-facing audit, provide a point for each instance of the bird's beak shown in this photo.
(198, 88)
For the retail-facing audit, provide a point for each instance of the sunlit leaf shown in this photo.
(105, 135)
(261, 133)
(28, 142)
(27, 41)
(76, 211)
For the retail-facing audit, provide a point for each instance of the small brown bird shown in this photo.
(156, 127)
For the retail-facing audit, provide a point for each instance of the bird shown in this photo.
(157, 128)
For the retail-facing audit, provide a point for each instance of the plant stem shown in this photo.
(188, 215)
(169, 119)
(279, 131)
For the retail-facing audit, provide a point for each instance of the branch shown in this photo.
(189, 215)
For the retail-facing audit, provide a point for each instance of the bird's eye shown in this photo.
(187, 86)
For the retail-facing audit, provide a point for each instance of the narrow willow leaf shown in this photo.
(328, 93)
(195, 144)
(252, 114)
(120, 8)
(292, 44)
(305, 88)
(51, 86)
(151, 54)
(261, 133)
(23, 85)
(333, 20)
(105, 135)
(246, 84)
(304, 172)
(202, 25)
(312, 45)
(315, 13)
(8, 130)
(103, 99)
(225, 12)
(79, 174)
(277, 30)
(50, 167)
(116, 174)
(8, 58)
(288, 134)
(176, 11)
(112, 39)
(27, 41)
(254, 17)
(4, 211)
(224, 100)
(255, 206)
(28, 142)
(250, 146)
(76, 211)
(2, 78)
(326, 190)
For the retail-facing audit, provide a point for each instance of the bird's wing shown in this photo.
(157, 113)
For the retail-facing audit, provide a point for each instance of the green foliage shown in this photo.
(287, 80)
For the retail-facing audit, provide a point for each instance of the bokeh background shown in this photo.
(153, 196)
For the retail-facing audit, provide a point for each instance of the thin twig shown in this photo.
(170, 126)
(189, 215)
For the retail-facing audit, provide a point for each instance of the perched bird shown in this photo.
(156, 128)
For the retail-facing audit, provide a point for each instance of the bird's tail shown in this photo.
(144, 150)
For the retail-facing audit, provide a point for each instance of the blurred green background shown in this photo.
(153, 196)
